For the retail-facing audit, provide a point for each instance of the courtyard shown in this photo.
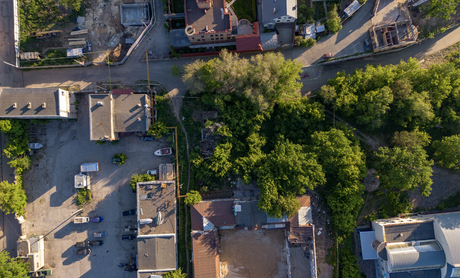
(51, 207)
(264, 256)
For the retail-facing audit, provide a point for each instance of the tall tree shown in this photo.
(264, 79)
(399, 168)
(409, 139)
(447, 152)
(285, 172)
(344, 166)
(442, 8)
(12, 267)
(12, 198)
(372, 107)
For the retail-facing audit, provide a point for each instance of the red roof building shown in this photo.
(251, 42)
(206, 259)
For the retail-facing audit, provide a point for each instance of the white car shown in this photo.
(152, 172)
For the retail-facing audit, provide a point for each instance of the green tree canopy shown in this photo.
(333, 23)
(409, 139)
(399, 168)
(13, 198)
(285, 172)
(344, 165)
(193, 197)
(442, 8)
(12, 267)
(264, 78)
(159, 129)
(447, 152)
(175, 274)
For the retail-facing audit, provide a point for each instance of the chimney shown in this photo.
(274, 10)
(44, 105)
(99, 103)
(29, 105)
(15, 105)
(139, 105)
(139, 119)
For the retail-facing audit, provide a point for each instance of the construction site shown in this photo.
(103, 35)
(392, 26)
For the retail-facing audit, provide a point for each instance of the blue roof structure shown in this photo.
(367, 238)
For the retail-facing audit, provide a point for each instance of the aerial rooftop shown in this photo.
(203, 20)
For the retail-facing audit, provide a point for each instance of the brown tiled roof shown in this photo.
(300, 234)
(219, 213)
(206, 260)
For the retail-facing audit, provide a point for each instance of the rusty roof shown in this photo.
(219, 213)
(300, 234)
(206, 260)
(304, 201)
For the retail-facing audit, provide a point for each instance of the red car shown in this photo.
(328, 55)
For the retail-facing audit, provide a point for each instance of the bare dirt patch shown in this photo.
(253, 254)
(323, 236)
(445, 184)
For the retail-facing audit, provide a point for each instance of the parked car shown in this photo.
(147, 138)
(129, 212)
(328, 55)
(85, 251)
(82, 244)
(80, 220)
(97, 219)
(152, 172)
(100, 234)
(128, 237)
(367, 45)
(97, 242)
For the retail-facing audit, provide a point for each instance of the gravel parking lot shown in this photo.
(50, 189)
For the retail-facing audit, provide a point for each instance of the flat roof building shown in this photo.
(111, 114)
(156, 223)
(36, 103)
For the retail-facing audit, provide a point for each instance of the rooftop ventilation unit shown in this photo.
(15, 105)
(29, 105)
(44, 105)
(139, 105)
(99, 103)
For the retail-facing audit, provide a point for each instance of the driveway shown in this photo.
(50, 188)
(349, 41)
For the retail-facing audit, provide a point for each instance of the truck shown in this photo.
(80, 220)
(89, 167)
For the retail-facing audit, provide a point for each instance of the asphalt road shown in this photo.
(8, 76)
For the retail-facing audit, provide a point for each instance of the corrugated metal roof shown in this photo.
(205, 248)
(432, 273)
(422, 255)
(352, 8)
(409, 232)
(305, 217)
(367, 238)
(449, 223)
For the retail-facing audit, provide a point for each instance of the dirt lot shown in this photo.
(255, 254)
(50, 190)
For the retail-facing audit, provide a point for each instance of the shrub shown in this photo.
(139, 178)
(159, 129)
(333, 23)
(299, 41)
(83, 196)
(193, 197)
(122, 158)
(175, 71)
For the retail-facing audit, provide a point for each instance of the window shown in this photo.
(221, 35)
(212, 36)
(455, 272)
(198, 39)
(202, 36)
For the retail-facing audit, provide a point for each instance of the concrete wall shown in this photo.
(16, 31)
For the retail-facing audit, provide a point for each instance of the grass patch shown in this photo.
(177, 6)
(83, 196)
(54, 57)
(245, 9)
(37, 15)
(139, 178)
(451, 202)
